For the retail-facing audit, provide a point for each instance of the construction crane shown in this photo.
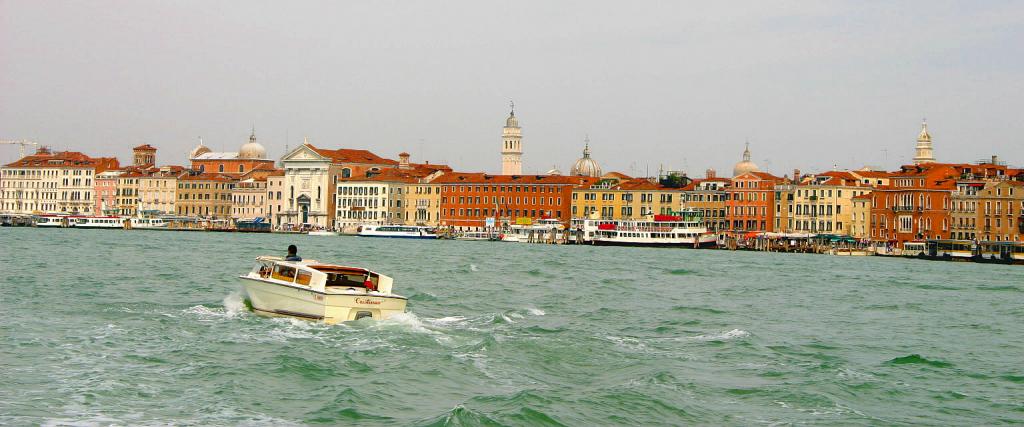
(22, 143)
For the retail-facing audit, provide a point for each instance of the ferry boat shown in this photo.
(477, 236)
(541, 231)
(320, 292)
(951, 250)
(54, 221)
(99, 222)
(1005, 252)
(683, 230)
(397, 231)
(147, 224)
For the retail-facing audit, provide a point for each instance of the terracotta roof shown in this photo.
(65, 159)
(865, 196)
(639, 184)
(394, 175)
(619, 175)
(765, 176)
(348, 155)
(207, 177)
(483, 178)
(872, 174)
(145, 147)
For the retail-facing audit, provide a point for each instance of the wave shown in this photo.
(724, 336)
(917, 359)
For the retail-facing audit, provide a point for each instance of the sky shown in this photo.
(813, 85)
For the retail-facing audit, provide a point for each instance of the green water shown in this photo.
(147, 327)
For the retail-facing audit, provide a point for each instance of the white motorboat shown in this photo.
(323, 233)
(147, 224)
(326, 293)
(99, 222)
(398, 231)
(544, 230)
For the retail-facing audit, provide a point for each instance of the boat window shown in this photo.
(345, 280)
(304, 277)
(362, 314)
(284, 273)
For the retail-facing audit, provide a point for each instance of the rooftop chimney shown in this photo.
(796, 176)
(710, 173)
(403, 160)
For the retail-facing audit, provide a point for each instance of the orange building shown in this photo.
(468, 199)
(915, 205)
(250, 155)
(750, 202)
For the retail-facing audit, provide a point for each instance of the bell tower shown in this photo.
(923, 151)
(512, 145)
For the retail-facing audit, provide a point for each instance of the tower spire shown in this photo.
(924, 152)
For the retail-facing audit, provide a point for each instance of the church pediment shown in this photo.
(303, 152)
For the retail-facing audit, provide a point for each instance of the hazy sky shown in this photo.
(810, 84)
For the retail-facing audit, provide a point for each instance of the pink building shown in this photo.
(105, 193)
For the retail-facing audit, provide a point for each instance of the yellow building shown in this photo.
(626, 199)
(422, 203)
(128, 199)
(707, 196)
(52, 182)
(249, 198)
(205, 195)
(1001, 211)
(158, 191)
(860, 220)
(818, 204)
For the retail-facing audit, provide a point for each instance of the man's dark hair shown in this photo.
(292, 250)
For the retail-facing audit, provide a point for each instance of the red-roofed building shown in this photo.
(468, 199)
(382, 198)
(708, 196)
(59, 182)
(915, 206)
(205, 195)
(144, 155)
(628, 198)
(820, 203)
(751, 202)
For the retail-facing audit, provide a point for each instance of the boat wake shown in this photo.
(724, 336)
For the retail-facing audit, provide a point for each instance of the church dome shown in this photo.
(252, 149)
(199, 150)
(554, 171)
(586, 166)
(745, 165)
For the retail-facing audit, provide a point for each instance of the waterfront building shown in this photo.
(52, 182)
(915, 205)
(249, 156)
(818, 203)
(923, 152)
(585, 166)
(205, 195)
(469, 199)
(128, 199)
(158, 190)
(872, 178)
(750, 205)
(634, 198)
(382, 198)
(860, 220)
(249, 198)
(708, 196)
(275, 197)
(105, 192)
(511, 146)
(1000, 211)
(311, 178)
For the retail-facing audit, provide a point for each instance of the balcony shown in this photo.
(904, 209)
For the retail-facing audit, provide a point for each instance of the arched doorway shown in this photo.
(303, 202)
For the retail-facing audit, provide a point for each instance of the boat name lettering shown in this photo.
(368, 301)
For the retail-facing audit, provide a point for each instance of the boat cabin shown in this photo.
(322, 277)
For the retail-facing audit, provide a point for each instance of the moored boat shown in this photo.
(477, 236)
(542, 231)
(682, 230)
(397, 231)
(107, 222)
(147, 224)
(321, 292)
(54, 221)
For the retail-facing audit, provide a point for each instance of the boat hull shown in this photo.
(606, 242)
(276, 300)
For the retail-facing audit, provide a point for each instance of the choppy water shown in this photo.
(114, 327)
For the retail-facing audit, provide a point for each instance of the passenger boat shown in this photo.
(315, 291)
(913, 249)
(147, 224)
(323, 233)
(683, 230)
(54, 221)
(997, 252)
(949, 250)
(477, 236)
(543, 230)
(108, 222)
(397, 231)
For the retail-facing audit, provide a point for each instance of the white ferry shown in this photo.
(147, 224)
(683, 230)
(543, 230)
(477, 236)
(320, 292)
(398, 231)
(99, 222)
(54, 221)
